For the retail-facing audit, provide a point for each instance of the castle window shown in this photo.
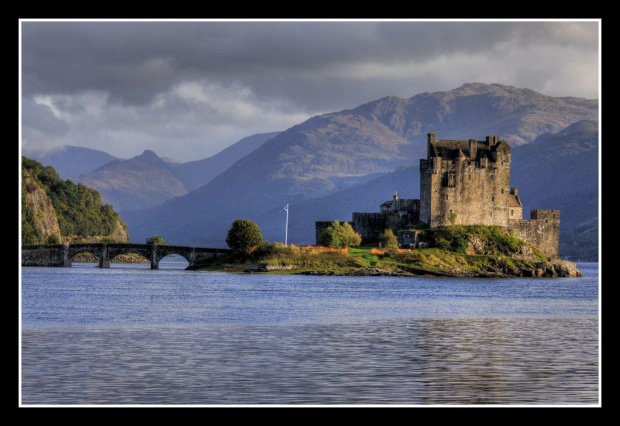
(502, 190)
(449, 180)
(492, 199)
(491, 214)
(491, 177)
(512, 212)
(469, 177)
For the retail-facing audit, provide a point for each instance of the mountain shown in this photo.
(332, 152)
(140, 182)
(72, 160)
(560, 171)
(55, 211)
(195, 174)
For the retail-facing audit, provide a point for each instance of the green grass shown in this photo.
(451, 254)
(364, 253)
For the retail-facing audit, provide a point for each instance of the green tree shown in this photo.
(339, 236)
(242, 235)
(329, 238)
(388, 240)
(155, 239)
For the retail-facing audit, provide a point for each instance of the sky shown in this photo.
(188, 89)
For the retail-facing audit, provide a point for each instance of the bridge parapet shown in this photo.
(61, 254)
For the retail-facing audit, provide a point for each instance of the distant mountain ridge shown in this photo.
(71, 161)
(332, 152)
(140, 182)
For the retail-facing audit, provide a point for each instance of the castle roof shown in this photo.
(514, 201)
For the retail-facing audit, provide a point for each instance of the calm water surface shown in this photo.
(129, 335)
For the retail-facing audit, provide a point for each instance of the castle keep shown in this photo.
(465, 182)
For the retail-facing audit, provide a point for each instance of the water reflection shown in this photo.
(427, 361)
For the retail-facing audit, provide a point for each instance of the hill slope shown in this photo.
(55, 211)
(140, 182)
(332, 152)
(195, 174)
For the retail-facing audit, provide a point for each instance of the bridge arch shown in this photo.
(97, 250)
(161, 251)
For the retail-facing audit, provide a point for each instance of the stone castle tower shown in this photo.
(467, 182)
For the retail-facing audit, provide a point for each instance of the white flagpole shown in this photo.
(286, 231)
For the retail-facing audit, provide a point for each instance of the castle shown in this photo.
(464, 182)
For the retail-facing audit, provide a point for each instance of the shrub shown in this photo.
(53, 239)
(155, 239)
(329, 238)
(388, 240)
(339, 236)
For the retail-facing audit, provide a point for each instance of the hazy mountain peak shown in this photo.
(71, 161)
(580, 127)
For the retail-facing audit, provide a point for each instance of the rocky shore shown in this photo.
(553, 269)
(121, 258)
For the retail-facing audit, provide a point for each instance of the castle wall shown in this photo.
(476, 192)
(319, 227)
(369, 225)
(542, 231)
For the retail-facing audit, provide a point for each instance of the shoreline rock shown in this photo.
(121, 258)
(554, 269)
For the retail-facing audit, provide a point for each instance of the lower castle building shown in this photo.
(465, 182)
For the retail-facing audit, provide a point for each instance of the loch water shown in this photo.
(131, 336)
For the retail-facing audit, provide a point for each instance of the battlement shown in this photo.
(542, 231)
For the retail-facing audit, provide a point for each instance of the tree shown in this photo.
(155, 239)
(242, 235)
(339, 235)
(329, 238)
(388, 240)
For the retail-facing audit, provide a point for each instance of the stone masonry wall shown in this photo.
(48, 255)
(368, 225)
(542, 231)
(477, 195)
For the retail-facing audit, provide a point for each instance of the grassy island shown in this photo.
(454, 251)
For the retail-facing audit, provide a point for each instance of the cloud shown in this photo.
(195, 87)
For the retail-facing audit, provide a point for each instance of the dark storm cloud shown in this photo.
(153, 83)
(134, 61)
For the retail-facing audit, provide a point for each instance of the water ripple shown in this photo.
(478, 361)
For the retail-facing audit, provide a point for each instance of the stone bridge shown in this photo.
(61, 254)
